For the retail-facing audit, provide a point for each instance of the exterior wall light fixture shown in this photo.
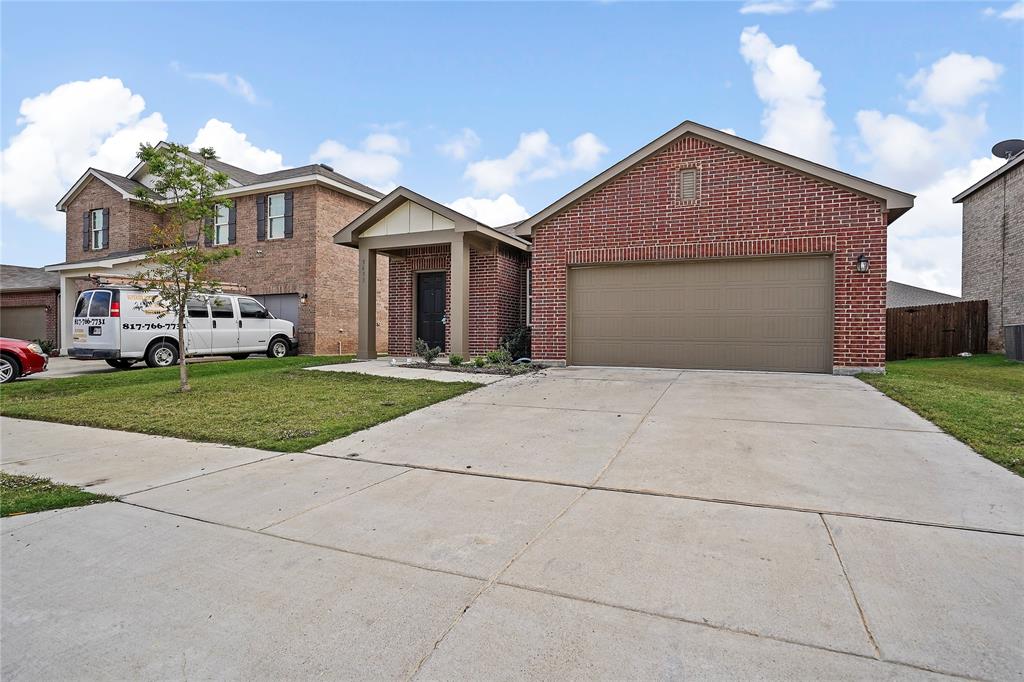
(862, 263)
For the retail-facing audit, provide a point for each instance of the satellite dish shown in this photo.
(1007, 149)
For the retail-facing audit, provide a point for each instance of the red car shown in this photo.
(20, 358)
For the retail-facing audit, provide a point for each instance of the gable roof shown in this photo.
(896, 202)
(240, 180)
(1005, 168)
(899, 295)
(318, 169)
(126, 187)
(20, 278)
(349, 235)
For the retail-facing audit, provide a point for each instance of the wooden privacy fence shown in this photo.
(936, 331)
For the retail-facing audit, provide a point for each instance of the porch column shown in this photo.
(66, 311)
(367, 304)
(459, 323)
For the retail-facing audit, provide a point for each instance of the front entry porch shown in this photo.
(455, 283)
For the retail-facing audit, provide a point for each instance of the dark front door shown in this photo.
(430, 308)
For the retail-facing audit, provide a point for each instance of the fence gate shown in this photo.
(936, 331)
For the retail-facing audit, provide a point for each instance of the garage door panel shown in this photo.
(767, 313)
(25, 322)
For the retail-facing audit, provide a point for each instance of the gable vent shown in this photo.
(688, 184)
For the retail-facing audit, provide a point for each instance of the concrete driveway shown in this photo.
(579, 523)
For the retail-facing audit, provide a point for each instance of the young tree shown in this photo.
(177, 265)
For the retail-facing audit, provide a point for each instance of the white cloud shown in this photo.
(493, 212)
(794, 119)
(904, 152)
(933, 162)
(953, 81)
(230, 82)
(535, 158)
(96, 123)
(460, 146)
(784, 6)
(375, 162)
(234, 147)
(1014, 12)
(385, 143)
(925, 244)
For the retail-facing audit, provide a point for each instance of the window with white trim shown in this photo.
(275, 216)
(529, 297)
(96, 228)
(221, 230)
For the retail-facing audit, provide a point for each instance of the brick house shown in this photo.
(29, 301)
(700, 250)
(993, 246)
(281, 222)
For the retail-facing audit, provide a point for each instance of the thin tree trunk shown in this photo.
(182, 367)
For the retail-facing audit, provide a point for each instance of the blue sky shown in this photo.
(502, 108)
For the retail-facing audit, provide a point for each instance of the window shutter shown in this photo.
(106, 227)
(231, 223)
(86, 227)
(208, 230)
(261, 217)
(288, 215)
(688, 184)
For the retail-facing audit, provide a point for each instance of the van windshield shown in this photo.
(100, 306)
(82, 308)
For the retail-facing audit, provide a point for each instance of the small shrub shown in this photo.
(480, 361)
(455, 360)
(426, 352)
(517, 343)
(520, 368)
(47, 346)
(500, 356)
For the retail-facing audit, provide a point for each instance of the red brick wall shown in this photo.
(131, 223)
(401, 288)
(23, 299)
(495, 296)
(745, 207)
(335, 297)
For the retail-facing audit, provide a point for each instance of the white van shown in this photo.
(123, 325)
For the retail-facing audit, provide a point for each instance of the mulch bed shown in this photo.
(473, 369)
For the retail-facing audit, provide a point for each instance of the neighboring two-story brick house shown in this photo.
(993, 246)
(282, 223)
(699, 250)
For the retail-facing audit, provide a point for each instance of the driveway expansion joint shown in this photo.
(677, 496)
(849, 584)
(725, 628)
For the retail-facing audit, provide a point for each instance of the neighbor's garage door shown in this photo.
(759, 313)
(282, 306)
(27, 323)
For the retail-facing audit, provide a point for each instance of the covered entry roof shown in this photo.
(406, 212)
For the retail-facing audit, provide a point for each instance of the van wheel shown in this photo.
(239, 356)
(121, 364)
(278, 348)
(162, 354)
(9, 369)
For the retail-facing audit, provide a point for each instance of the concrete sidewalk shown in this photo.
(580, 524)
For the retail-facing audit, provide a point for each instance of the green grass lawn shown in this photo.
(28, 494)
(268, 404)
(979, 400)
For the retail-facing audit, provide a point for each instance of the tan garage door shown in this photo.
(759, 313)
(28, 323)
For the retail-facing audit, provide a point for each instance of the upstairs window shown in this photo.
(221, 227)
(98, 225)
(275, 216)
